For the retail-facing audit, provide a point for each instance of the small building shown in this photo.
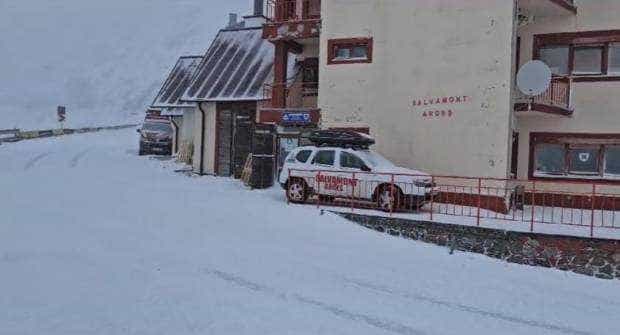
(227, 91)
(181, 113)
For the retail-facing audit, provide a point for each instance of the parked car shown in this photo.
(156, 137)
(332, 172)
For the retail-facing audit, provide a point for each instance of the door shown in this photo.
(242, 139)
(355, 177)
(224, 142)
(326, 182)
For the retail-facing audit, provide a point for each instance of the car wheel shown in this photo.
(141, 151)
(297, 192)
(389, 200)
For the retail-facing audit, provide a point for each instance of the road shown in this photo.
(96, 240)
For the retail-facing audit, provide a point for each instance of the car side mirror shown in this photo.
(138, 131)
(366, 168)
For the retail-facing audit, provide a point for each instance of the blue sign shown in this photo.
(296, 118)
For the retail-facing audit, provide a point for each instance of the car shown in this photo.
(156, 137)
(351, 172)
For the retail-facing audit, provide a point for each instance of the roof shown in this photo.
(235, 67)
(176, 84)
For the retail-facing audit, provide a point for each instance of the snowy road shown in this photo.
(96, 240)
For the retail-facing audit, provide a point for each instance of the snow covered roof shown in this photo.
(235, 68)
(176, 84)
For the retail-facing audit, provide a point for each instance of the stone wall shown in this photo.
(593, 257)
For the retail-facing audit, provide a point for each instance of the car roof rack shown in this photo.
(340, 138)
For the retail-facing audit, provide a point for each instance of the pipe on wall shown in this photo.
(202, 139)
(175, 146)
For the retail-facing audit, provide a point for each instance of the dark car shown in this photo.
(156, 137)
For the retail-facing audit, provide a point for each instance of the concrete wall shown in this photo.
(423, 50)
(595, 103)
(208, 149)
(588, 256)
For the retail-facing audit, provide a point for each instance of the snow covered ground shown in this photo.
(96, 240)
(103, 60)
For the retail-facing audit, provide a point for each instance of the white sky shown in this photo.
(104, 60)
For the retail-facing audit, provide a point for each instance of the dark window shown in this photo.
(614, 58)
(350, 161)
(353, 50)
(588, 60)
(324, 157)
(612, 160)
(583, 160)
(550, 158)
(303, 156)
(576, 156)
(590, 53)
(556, 58)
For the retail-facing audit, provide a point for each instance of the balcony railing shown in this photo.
(556, 100)
(293, 10)
(298, 94)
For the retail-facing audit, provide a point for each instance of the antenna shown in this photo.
(534, 78)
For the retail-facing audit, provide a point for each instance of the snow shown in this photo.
(103, 60)
(96, 240)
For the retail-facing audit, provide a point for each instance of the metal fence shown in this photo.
(529, 205)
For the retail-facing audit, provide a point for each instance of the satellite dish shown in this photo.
(534, 78)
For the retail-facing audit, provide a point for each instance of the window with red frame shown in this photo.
(349, 50)
(576, 156)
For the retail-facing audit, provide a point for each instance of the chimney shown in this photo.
(259, 7)
(232, 20)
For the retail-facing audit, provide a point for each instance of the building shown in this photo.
(181, 113)
(228, 89)
(434, 81)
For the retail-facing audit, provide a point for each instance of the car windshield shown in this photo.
(374, 159)
(158, 127)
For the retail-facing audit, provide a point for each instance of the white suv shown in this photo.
(362, 175)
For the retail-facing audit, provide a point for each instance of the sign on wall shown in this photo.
(444, 107)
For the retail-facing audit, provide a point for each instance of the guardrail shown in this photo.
(293, 10)
(528, 204)
(18, 135)
(9, 135)
(296, 94)
(557, 95)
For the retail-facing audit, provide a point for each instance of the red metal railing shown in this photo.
(569, 208)
(293, 10)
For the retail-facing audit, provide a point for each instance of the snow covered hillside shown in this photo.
(104, 60)
(96, 240)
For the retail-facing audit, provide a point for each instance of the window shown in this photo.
(350, 161)
(588, 60)
(324, 157)
(583, 160)
(556, 58)
(303, 156)
(614, 58)
(550, 158)
(612, 160)
(353, 50)
(576, 156)
(587, 55)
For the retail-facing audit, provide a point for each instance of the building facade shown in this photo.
(434, 81)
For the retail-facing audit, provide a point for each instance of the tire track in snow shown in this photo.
(76, 159)
(32, 162)
(467, 308)
(383, 324)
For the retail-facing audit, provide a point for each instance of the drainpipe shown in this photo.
(202, 139)
(175, 147)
